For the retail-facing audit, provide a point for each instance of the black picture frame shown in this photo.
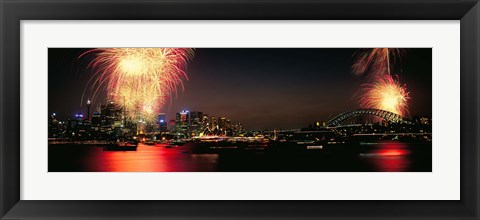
(13, 11)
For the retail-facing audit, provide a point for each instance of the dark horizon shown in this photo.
(262, 88)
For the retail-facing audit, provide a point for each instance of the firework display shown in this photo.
(386, 93)
(242, 110)
(383, 92)
(139, 79)
(375, 60)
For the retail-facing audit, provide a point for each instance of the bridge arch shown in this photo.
(389, 116)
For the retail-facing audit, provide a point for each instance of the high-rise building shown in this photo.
(79, 128)
(205, 121)
(182, 123)
(213, 122)
(222, 123)
(238, 130)
(425, 121)
(88, 109)
(111, 120)
(96, 125)
(162, 122)
(225, 127)
(196, 125)
(53, 126)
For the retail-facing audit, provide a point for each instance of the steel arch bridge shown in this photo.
(389, 116)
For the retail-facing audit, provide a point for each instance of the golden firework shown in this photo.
(387, 94)
(139, 79)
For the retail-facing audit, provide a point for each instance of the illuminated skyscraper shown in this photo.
(196, 123)
(213, 122)
(162, 122)
(182, 123)
(53, 126)
(88, 110)
(222, 123)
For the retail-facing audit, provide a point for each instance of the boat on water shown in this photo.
(150, 143)
(122, 146)
(79, 143)
(177, 142)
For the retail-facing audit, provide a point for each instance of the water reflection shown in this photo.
(383, 157)
(150, 159)
(389, 157)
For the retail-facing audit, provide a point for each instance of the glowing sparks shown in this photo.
(375, 60)
(139, 79)
(131, 66)
(383, 92)
(387, 94)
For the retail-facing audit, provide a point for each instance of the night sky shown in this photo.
(260, 88)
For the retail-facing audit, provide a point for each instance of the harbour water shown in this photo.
(194, 157)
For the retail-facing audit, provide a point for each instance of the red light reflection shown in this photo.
(390, 157)
(153, 159)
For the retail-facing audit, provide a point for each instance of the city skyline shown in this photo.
(240, 110)
(256, 87)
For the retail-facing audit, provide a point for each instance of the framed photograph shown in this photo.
(123, 126)
(239, 109)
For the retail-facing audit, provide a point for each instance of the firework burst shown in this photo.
(376, 60)
(386, 93)
(138, 79)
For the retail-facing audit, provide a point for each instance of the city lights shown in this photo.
(241, 110)
(139, 79)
